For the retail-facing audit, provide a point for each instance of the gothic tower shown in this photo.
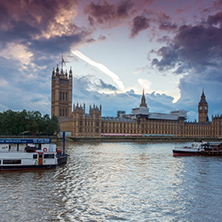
(203, 109)
(143, 101)
(61, 94)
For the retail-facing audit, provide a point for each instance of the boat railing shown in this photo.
(182, 147)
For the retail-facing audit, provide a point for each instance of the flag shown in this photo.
(63, 61)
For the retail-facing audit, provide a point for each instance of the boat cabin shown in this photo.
(27, 153)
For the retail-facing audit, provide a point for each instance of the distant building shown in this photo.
(141, 122)
(203, 109)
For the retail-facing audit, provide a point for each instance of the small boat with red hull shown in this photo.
(195, 149)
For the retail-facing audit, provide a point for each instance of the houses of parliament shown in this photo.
(141, 122)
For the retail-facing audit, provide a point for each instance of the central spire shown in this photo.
(203, 97)
(143, 101)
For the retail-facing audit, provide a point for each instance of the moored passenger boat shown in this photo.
(199, 148)
(18, 154)
(195, 149)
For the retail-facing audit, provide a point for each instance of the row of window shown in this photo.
(89, 130)
(88, 123)
(131, 125)
(135, 131)
(63, 96)
(11, 161)
(63, 112)
(46, 156)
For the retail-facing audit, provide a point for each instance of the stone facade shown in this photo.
(61, 94)
(141, 122)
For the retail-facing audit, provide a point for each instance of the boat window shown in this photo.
(11, 161)
(49, 156)
(38, 146)
(34, 156)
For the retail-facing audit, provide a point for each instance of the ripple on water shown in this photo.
(116, 182)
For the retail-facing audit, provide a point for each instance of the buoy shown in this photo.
(44, 149)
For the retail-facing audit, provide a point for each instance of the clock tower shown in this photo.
(203, 109)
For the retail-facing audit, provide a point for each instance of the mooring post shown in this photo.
(63, 139)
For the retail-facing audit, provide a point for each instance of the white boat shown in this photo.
(194, 149)
(17, 154)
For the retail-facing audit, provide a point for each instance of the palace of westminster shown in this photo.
(140, 122)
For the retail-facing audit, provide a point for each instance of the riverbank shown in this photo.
(140, 139)
(108, 139)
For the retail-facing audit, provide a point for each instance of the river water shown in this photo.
(116, 182)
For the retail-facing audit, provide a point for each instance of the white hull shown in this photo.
(27, 156)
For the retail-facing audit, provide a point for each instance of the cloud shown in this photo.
(193, 47)
(123, 101)
(29, 18)
(195, 51)
(102, 38)
(215, 19)
(92, 83)
(140, 23)
(107, 15)
(58, 44)
(165, 23)
(169, 58)
(17, 84)
(33, 34)
(104, 85)
(101, 67)
(41, 25)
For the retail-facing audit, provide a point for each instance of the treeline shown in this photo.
(27, 122)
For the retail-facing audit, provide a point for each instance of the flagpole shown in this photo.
(62, 61)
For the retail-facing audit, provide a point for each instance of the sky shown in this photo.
(171, 49)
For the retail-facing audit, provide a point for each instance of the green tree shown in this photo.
(13, 123)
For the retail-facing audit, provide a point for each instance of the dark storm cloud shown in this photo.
(57, 44)
(140, 23)
(193, 47)
(215, 19)
(106, 14)
(165, 23)
(218, 4)
(195, 50)
(169, 57)
(40, 24)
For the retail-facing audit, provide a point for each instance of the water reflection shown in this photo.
(116, 182)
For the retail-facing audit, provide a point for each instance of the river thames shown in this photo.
(117, 182)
